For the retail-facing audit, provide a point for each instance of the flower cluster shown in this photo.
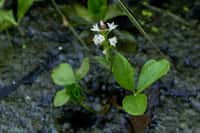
(99, 38)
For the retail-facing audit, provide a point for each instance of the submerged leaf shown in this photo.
(63, 75)
(152, 71)
(123, 72)
(135, 105)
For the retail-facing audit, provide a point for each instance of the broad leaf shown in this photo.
(97, 8)
(83, 70)
(152, 71)
(61, 98)
(7, 19)
(123, 72)
(135, 105)
(23, 7)
(63, 75)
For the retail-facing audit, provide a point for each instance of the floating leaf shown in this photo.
(23, 7)
(61, 98)
(123, 72)
(63, 75)
(97, 8)
(83, 70)
(135, 105)
(152, 71)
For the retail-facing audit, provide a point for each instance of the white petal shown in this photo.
(112, 26)
(113, 41)
(98, 39)
(95, 27)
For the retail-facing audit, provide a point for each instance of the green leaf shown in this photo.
(135, 105)
(123, 72)
(83, 12)
(76, 94)
(23, 7)
(102, 61)
(113, 11)
(63, 75)
(97, 8)
(7, 19)
(2, 3)
(61, 98)
(83, 70)
(152, 71)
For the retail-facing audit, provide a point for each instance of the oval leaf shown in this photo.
(83, 70)
(63, 75)
(135, 105)
(123, 72)
(97, 8)
(152, 71)
(23, 6)
(61, 98)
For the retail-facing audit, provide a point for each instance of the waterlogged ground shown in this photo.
(25, 65)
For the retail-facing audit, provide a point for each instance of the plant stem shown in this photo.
(86, 107)
(138, 26)
(67, 24)
(8, 37)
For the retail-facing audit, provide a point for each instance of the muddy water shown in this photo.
(30, 109)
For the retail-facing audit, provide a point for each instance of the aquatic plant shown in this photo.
(124, 73)
(115, 62)
(65, 76)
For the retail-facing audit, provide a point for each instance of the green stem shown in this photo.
(88, 108)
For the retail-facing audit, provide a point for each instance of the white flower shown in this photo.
(95, 27)
(113, 41)
(98, 39)
(112, 26)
